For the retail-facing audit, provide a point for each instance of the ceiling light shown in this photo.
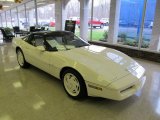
(5, 6)
(18, 1)
(7, 0)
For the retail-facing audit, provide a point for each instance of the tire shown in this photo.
(21, 60)
(89, 25)
(101, 26)
(74, 84)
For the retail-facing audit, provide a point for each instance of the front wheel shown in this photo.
(74, 84)
(21, 60)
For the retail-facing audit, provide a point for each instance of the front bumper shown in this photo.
(118, 90)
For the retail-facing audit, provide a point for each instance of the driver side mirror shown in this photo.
(41, 48)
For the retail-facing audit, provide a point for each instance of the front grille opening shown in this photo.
(127, 89)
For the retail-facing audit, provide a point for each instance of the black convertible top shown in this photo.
(51, 32)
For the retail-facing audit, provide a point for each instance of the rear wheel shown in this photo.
(21, 60)
(74, 84)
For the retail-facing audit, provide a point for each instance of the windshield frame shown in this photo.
(63, 44)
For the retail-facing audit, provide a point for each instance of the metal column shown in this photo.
(5, 18)
(1, 20)
(11, 17)
(36, 13)
(25, 13)
(17, 15)
(142, 25)
(91, 20)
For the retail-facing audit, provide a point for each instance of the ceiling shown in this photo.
(8, 4)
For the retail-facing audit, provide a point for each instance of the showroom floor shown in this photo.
(31, 94)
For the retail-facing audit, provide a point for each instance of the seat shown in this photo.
(7, 35)
(17, 31)
(32, 29)
(48, 47)
(42, 28)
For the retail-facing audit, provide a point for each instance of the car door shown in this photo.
(28, 49)
(36, 53)
(55, 46)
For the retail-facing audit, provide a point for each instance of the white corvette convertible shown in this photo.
(86, 70)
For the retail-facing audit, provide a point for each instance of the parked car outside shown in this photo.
(105, 21)
(52, 23)
(45, 24)
(151, 25)
(94, 23)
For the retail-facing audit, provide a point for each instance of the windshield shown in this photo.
(65, 41)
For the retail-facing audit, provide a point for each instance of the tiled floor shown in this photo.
(31, 94)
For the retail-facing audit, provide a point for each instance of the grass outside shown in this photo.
(52, 28)
(96, 34)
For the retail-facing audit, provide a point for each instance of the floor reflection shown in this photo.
(31, 94)
(5, 117)
(8, 57)
(1, 41)
(38, 105)
(17, 84)
(155, 91)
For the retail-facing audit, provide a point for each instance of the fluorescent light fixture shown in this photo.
(5, 6)
(7, 0)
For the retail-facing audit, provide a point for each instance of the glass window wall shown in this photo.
(148, 23)
(30, 14)
(22, 17)
(8, 19)
(73, 13)
(14, 13)
(99, 20)
(130, 22)
(46, 19)
(3, 19)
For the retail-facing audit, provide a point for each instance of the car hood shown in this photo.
(109, 64)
